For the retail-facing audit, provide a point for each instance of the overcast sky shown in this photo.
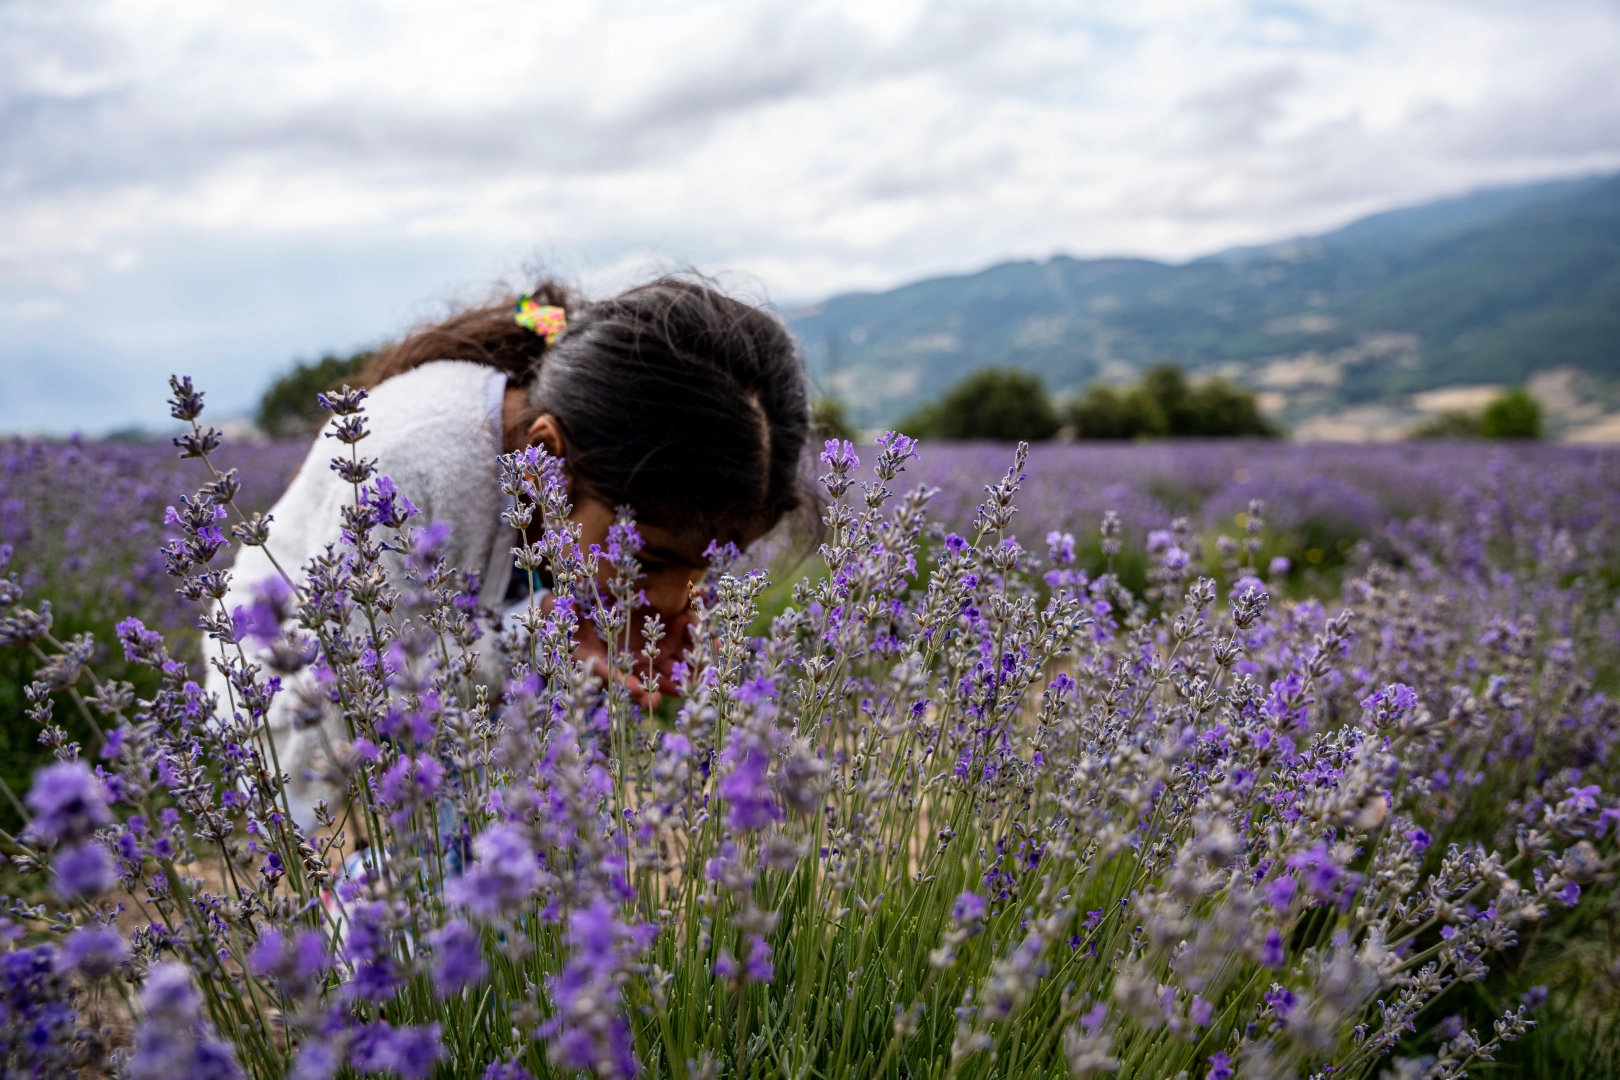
(219, 188)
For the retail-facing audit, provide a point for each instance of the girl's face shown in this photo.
(670, 569)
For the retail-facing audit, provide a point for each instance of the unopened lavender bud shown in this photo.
(343, 402)
(187, 402)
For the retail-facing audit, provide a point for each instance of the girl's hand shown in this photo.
(591, 649)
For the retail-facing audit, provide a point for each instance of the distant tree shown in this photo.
(831, 420)
(1513, 415)
(993, 403)
(1165, 404)
(1165, 387)
(1104, 413)
(289, 409)
(1220, 409)
(1451, 424)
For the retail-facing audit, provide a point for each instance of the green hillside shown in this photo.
(1487, 288)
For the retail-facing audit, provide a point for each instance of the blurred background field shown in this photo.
(84, 524)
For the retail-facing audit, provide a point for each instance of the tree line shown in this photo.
(1007, 405)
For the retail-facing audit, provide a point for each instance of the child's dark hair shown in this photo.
(672, 398)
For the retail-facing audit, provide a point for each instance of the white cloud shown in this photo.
(225, 167)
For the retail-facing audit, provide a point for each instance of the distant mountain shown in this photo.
(1489, 288)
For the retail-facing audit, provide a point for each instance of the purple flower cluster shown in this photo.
(407, 1052)
(504, 877)
(174, 1039)
(68, 806)
(37, 1014)
(589, 1030)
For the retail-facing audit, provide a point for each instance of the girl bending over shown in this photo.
(684, 404)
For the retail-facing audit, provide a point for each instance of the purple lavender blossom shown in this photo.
(429, 543)
(169, 997)
(261, 620)
(83, 872)
(507, 1071)
(410, 782)
(408, 1052)
(969, 908)
(1584, 800)
(758, 691)
(588, 1029)
(369, 947)
(174, 1040)
(296, 962)
(503, 878)
(95, 951)
(1321, 876)
(458, 958)
(1609, 816)
(388, 505)
(316, 1060)
(1281, 1000)
(1272, 952)
(67, 803)
(37, 1016)
(840, 453)
(744, 789)
(1391, 704)
(1163, 711)
(897, 446)
(757, 968)
(1060, 547)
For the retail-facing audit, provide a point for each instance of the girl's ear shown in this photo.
(545, 432)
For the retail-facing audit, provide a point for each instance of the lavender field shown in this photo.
(84, 525)
(1242, 759)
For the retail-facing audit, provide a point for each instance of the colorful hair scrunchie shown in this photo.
(544, 319)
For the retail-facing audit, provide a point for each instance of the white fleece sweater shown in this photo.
(436, 431)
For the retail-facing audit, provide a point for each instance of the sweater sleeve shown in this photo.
(431, 433)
